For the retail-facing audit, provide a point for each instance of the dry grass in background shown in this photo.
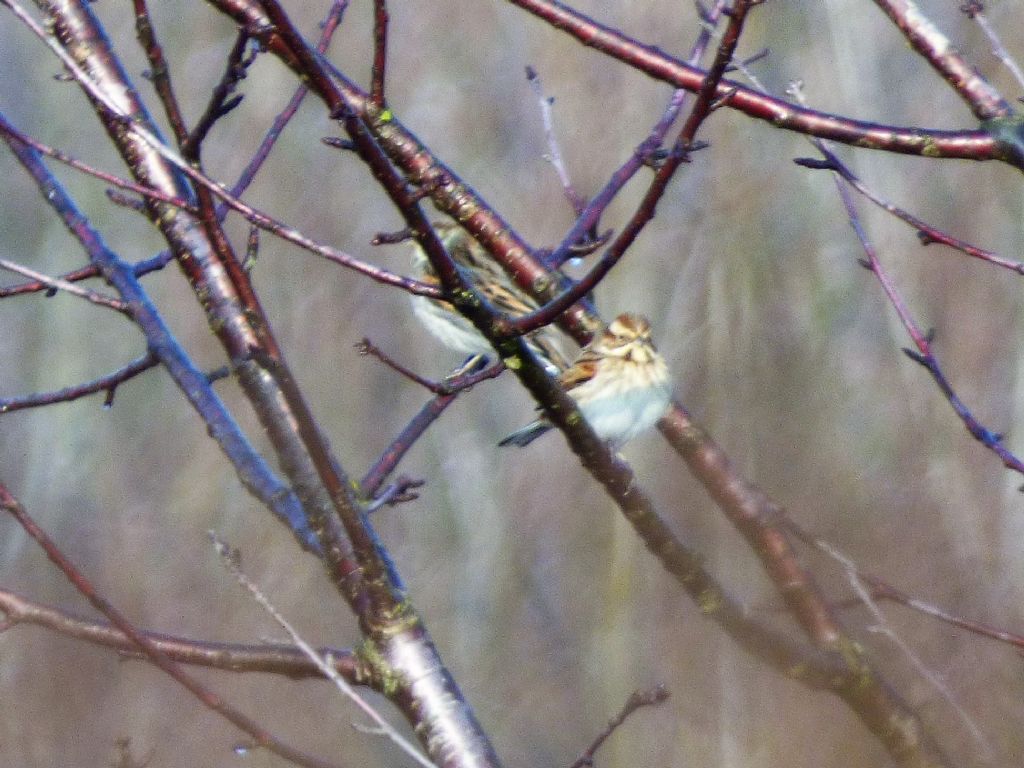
(540, 597)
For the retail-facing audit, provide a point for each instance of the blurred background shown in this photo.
(542, 601)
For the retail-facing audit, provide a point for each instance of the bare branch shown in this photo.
(153, 653)
(326, 664)
(93, 297)
(554, 155)
(108, 384)
(937, 50)
(636, 700)
(287, 660)
(976, 145)
(380, 52)
(922, 341)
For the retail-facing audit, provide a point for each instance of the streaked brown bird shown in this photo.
(619, 381)
(485, 274)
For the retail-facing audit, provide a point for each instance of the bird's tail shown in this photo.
(526, 435)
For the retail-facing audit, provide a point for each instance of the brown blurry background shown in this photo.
(541, 600)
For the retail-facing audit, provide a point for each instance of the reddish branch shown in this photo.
(927, 233)
(706, 96)
(936, 49)
(922, 352)
(159, 72)
(268, 658)
(252, 469)
(146, 646)
(756, 517)
(974, 145)
(874, 703)
(380, 52)
(108, 384)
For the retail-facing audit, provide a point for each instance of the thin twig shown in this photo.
(590, 217)
(882, 627)
(881, 590)
(707, 100)
(636, 700)
(998, 49)
(554, 155)
(229, 559)
(160, 73)
(34, 286)
(62, 157)
(94, 297)
(329, 27)
(146, 646)
(397, 492)
(108, 384)
(256, 217)
(380, 52)
(220, 103)
(922, 354)
(445, 393)
(239, 658)
(464, 378)
(926, 233)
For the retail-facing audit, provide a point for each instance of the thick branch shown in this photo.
(937, 50)
(251, 468)
(876, 704)
(973, 145)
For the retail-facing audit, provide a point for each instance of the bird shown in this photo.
(620, 383)
(485, 274)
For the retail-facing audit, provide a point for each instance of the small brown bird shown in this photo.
(486, 275)
(619, 381)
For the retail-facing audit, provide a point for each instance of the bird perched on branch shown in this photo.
(486, 275)
(619, 381)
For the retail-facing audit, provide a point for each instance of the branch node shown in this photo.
(815, 163)
(392, 238)
(722, 100)
(916, 356)
(972, 8)
(339, 143)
